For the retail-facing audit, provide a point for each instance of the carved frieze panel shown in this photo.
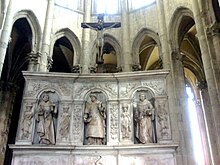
(127, 88)
(163, 121)
(34, 87)
(77, 124)
(157, 85)
(114, 123)
(80, 89)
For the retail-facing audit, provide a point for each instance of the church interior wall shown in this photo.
(34, 7)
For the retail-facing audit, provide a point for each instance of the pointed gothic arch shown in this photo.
(179, 15)
(111, 40)
(138, 41)
(35, 27)
(181, 22)
(73, 39)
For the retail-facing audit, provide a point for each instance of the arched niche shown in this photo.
(65, 51)
(146, 50)
(111, 55)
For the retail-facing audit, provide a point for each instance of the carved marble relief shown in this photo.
(77, 126)
(144, 118)
(36, 86)
(126, 88)
(95, 120)
(46, 118)
(82, 88)
(158, 86)
(27, 121)
(163, 123)
(126, 122)
(114, 127)
(65, 117)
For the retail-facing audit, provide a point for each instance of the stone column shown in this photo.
(213, 40)
(184, 123)
(46, 36)
(126, 48)
(5, 35)
(202, 118)
(209, 125)
(211, 82)
(176, 93)
(7, 96)
(87, 53)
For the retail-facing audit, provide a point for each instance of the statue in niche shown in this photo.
(144, 117)
(94, 118)
(125, 122)
(28, 115)
(46, 111)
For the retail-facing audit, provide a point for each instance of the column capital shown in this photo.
(119, 69)
(202, 85)
(214, 29)
(176, 55)
(34, 57)
(49, 62)
(93, 69)
(77, 68)
(136, 67)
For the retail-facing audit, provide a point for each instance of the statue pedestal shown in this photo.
(89, 155)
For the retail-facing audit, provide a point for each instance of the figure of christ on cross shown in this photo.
(99, 27)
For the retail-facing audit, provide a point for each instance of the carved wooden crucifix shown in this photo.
(100, 26)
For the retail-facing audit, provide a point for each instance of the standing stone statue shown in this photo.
(94, 118)
(125, 122)
(144, 116)
(44, 117)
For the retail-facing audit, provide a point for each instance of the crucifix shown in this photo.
(99, 27)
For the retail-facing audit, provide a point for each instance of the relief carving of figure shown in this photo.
(144, 117)
(125, 122)
(94, 118)
(163, 121)
(27, 121)
(45, 113)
